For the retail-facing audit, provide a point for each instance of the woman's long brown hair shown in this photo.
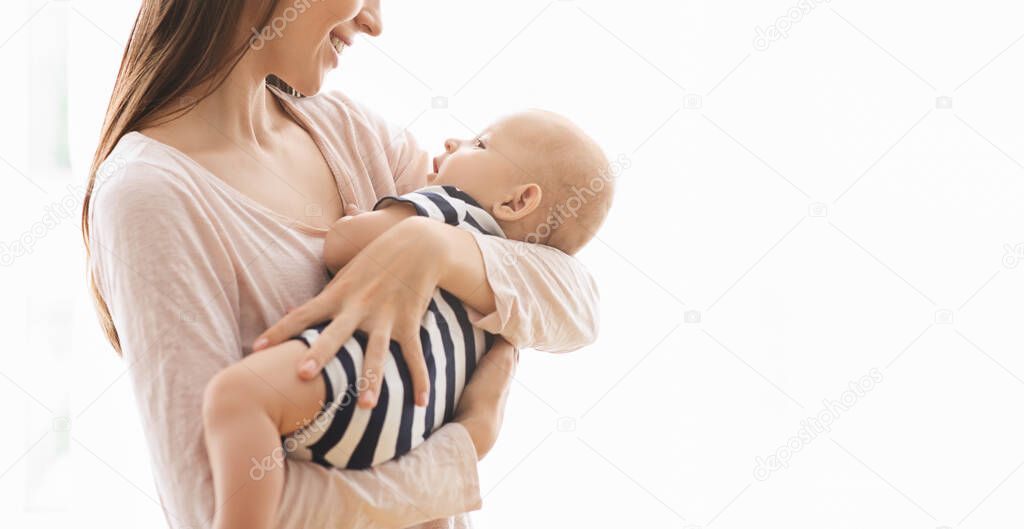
(177, 47)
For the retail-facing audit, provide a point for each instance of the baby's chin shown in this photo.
(471, 184)
(435, 179)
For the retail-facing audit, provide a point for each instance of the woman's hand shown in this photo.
(384, 291)
(482, 405)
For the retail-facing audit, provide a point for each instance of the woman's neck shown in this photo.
(241, 111)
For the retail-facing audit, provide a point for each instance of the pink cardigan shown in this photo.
(192, 271)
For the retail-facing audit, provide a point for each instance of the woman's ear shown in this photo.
(522, 201)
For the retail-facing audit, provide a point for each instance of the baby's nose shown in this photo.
(450, 145)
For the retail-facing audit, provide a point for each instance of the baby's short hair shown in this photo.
(577, 183)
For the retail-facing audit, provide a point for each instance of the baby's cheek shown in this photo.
(466, 184)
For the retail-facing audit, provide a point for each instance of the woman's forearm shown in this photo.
(436, 480)
(533, 295)
(463, 273)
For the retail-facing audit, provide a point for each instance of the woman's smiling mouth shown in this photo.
(339, 42)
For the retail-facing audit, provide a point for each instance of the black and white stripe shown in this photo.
(349, 437)
(450, 205)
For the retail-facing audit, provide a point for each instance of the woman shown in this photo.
(208, 202)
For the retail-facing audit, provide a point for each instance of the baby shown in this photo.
(531, 176)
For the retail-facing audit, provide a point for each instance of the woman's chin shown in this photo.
(307, 85)
(313, 88)
(315, 79)
(309, 81)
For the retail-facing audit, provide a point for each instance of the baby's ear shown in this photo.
(522, 201)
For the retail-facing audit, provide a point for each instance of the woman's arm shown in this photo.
(533, 295)
(532, 278)
(171, 289)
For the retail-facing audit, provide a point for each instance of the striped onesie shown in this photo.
(346, 436)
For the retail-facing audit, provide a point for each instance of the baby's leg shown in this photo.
(246, 409)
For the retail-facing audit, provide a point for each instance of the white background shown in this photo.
(813, 204)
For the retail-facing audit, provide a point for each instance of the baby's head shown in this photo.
(541, 177)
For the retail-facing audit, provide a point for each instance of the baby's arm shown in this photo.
(349, 235)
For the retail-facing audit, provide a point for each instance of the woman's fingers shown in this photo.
(373, 367)
(412, 352)
(326, 346)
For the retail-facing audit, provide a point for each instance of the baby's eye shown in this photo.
(478, 143)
